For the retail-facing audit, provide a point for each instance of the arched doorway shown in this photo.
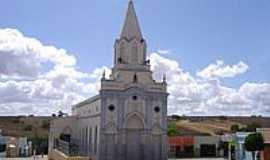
(66, 134)
(134, 129)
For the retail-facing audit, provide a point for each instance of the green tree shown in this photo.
(253, 126)
(45, 124)
(254, 142)
(235, 128)
(176, 117)
(172, 129)
(28, 127)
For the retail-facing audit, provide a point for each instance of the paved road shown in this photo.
(200, 159)
(30, 158)
(39, 158)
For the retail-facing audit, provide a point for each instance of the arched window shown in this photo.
(135, 78)
(119, 60)
(122, 53)
(134, 53)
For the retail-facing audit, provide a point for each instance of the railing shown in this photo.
(68, 148)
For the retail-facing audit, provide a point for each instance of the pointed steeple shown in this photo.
(131, 27)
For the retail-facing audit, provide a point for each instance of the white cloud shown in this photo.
(164, 51)
(205, 95)
(23, 56)
(26, 88)
(98, 72)
(220, 70)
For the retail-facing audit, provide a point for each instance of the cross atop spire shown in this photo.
(131, 27)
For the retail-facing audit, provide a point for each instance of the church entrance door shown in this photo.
(134, 145)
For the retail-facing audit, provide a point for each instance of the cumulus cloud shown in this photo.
(164, 51)
(23, 56)
(220, 70)
(205, 95)
(29, 86)
(25, 85)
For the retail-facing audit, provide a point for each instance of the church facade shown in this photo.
(127, 119)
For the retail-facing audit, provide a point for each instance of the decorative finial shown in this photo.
(103, 75)
(164, 78)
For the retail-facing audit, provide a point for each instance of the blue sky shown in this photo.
(196, 32)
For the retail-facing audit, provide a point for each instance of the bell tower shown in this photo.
(130, 64)
(133, 104)
(130, 48)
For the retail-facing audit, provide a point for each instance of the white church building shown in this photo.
(127, 119)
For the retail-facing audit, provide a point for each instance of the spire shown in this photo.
(131, 27)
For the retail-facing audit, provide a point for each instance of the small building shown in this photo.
(14, 147)
(228, 145)
(3, 145)
(11, 151)
(23, 147)
(265, 154)
(206, 146)
(181, 146)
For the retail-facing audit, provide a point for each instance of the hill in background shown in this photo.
(217, 125)
(38, 127)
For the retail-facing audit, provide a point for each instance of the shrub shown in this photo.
(28, 128)
(254, 142)
(253, 126)
(176, 117)
(16, 121)
(45, 124)
(172, 129)
(235, 128)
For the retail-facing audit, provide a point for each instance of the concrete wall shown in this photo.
(88, 134)
(61, 125)
(89, 107)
